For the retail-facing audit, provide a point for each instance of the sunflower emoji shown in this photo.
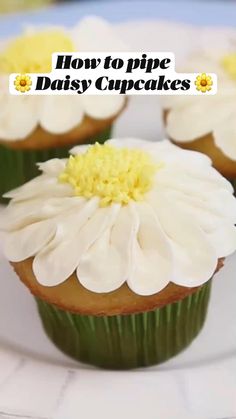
(22, 83)
(203, 83)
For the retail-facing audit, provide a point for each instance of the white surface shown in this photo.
(37, 381)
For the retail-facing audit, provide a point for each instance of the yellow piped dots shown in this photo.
(115, 175)
(33, 53)
(229, 64)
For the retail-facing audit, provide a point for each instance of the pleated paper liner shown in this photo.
(19, 166)
(127, 341)
(233, 183)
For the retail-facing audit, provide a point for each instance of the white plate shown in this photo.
(37, 381)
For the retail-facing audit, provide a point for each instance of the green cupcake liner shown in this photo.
(127, 341)
(19, 166)
(233, 183)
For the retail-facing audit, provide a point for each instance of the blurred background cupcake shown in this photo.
(208, 123)
(37, 128)
(121, 280)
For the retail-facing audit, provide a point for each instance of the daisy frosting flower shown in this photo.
(23, 83)
(114, 175)
(229, 64)
(194, 117)
(128, 211)
(203, 83)
(32, 53)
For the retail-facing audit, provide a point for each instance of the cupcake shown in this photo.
(207, 123)
(118, 244)
(38, 128)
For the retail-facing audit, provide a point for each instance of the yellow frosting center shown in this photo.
(229, 64)
(33, 53)
(115, 175)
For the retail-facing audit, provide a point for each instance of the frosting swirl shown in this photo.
(31, 52)
(175, 233)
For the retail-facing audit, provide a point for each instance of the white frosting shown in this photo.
(192, 117)
(20, 115)
(176, 234)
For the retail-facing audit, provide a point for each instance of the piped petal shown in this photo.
(19, 116)
(153, 263)
(195, 258)
(59, 114)
(49, 266)
(31, 239)
(42, 187)
(223, 240)
(196, 120)
(94, 33)
(101, 107)
(52, 167)
(21, 214)
(113, 254)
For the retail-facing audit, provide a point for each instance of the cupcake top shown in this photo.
(32, 53)
(193, 117)
(127, 211)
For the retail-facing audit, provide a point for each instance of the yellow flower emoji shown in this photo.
(22, 83)
(203, 83)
